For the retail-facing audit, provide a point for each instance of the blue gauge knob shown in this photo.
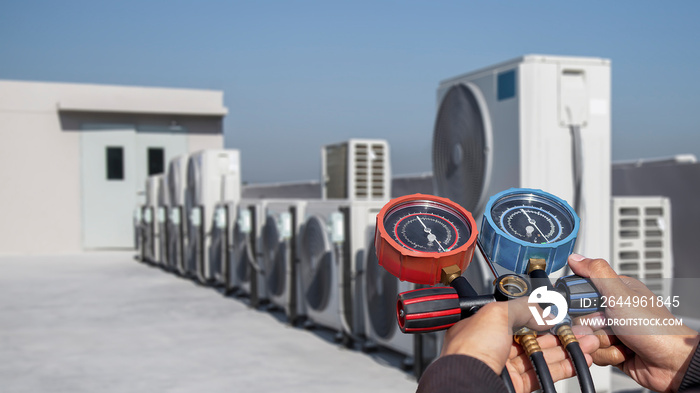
(523, 223)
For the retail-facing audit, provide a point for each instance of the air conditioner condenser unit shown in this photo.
(177, 230)
(206, 171)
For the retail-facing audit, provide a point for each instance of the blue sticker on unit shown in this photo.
(506, 82)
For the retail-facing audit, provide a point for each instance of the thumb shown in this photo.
(601, 274)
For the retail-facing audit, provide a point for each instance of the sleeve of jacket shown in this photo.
(691, 379)
(459, 374)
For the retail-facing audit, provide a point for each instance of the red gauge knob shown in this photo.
(418, 235)
(428, 309)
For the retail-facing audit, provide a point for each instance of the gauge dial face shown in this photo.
(532, 218)
(427, 226)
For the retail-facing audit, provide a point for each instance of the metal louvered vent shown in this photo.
(362, 178)
(460, 152)
(641, 241)
(317, 261)
(378, 163)
(381, 291)
(370, 163)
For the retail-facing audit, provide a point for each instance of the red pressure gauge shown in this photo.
(418, 235)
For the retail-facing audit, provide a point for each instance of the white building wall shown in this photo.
(40, 150)
(40, 175)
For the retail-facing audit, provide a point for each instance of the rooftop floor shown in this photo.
(102, 322)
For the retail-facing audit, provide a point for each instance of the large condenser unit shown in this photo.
(206, 170)
(535, 122)
(177, 230)
(538, 122)
(641, 241)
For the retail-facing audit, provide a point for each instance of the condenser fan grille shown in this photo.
(240, 250)
(275, 252)
(193, 180)
(270, 238)
(316, 263)
(459, 148)
(277, 271)
(381, 291)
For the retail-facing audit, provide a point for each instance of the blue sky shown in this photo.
(300, 74)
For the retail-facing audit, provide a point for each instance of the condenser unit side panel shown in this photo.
(597, 163)
(548, 143)
(545, 146)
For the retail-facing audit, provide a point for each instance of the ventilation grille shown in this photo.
(357, 169)
(642, 241)
(370, 166)
(460, 153)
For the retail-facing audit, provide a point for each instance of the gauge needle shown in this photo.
(431, 236)
(534, 223)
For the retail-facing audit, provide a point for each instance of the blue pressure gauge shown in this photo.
(523, 223)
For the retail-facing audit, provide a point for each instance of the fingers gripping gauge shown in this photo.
(418, 235)
(522, 223)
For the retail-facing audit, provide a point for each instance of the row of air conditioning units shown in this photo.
(536, 122)
(312, 258)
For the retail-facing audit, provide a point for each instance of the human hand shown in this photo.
(654, 356)
(488, 336)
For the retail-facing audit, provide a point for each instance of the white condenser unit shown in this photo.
(220, 244)
(641, 241)
(320, 246)
(150, 245)
(177, 230)
(360, 219)
(225, 213)
(357, 169)
(161, 222)
(206, 171)
(279, 258)
(245, 274)
(538, 122)
(379, 292)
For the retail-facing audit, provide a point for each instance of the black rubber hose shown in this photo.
(583, 373)
(505, 376)
(543, 373)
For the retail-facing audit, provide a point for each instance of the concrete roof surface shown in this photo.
(103, 322)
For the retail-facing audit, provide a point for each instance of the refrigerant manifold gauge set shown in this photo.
(431, 240)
